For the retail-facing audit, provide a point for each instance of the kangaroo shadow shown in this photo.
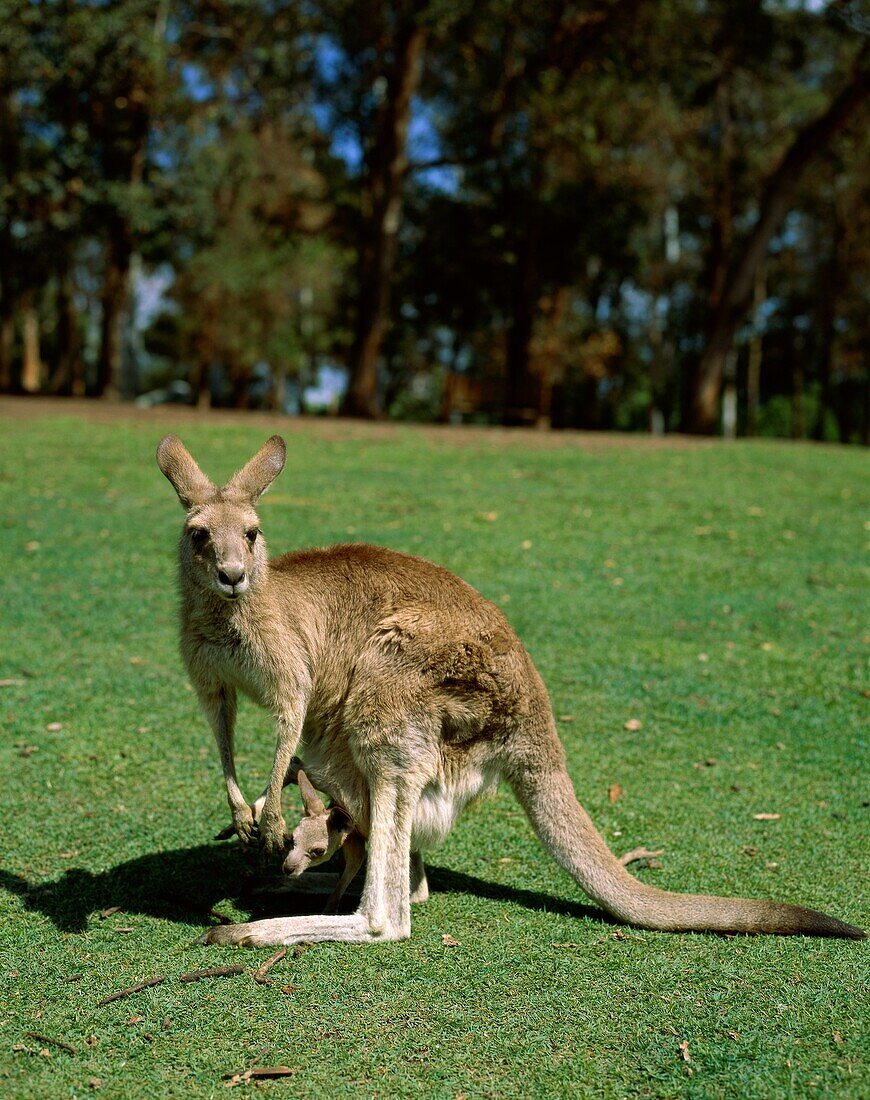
(185, 884)
(180, 885)
(444, 881)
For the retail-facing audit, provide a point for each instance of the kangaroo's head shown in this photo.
(222, 550)
(319, 834)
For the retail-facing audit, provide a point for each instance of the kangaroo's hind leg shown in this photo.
(384, 912)
(419, 882)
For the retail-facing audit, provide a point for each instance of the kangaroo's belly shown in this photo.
(442, 802)
(440, 805)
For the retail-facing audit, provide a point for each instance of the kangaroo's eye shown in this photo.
(316, 853)
(199, 536)
(251, 535)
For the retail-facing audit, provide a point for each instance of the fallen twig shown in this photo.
(212, 972)
(51, 1042)
(639, 853)
(130, 990)
(260, 975)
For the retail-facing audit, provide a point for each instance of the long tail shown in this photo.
(567, 832)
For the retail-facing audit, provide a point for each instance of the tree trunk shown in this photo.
(798, 421)
(753, 371)
(7, 343)
(67, 376)
(774, 203)
(31, 367)
(385, 172)
(112, 301)
(830, 292)
(522, 396)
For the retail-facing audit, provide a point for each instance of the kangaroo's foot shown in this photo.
(282, 931)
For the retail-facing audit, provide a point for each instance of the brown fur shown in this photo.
(411, 696)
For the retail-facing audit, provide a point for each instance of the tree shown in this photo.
(733, 301)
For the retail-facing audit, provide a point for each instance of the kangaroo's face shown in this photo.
(221, 546)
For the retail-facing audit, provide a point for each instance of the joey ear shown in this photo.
(311, 800)
(186, 478)
(257, 475)
(340, 820)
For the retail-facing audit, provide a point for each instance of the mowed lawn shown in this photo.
(699, 613)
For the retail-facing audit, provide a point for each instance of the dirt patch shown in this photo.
(174, 417)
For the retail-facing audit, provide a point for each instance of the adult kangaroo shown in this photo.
(410, 696)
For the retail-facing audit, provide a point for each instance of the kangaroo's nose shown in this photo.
(231, 574)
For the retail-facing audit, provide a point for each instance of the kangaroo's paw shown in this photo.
(272, 830)
(244, 826)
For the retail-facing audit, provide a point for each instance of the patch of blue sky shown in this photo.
(195, 84)
(424, 143)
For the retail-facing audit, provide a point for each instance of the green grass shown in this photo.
(713, 592)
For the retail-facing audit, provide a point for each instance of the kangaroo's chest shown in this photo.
(235, 665)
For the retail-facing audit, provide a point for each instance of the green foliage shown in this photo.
(713, 592)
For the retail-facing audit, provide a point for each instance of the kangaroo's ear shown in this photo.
(311, 800)
(186, 478)
(257, 475)
(340, 820)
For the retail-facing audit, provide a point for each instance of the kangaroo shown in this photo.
(411, 697)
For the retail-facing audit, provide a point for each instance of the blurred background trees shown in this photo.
(604, 214)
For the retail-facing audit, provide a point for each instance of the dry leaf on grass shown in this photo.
(261, 1073)
(684, 1050)
(766, 817)
(640, 853)
(633, 725)
(449, 941)
(615, 792)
